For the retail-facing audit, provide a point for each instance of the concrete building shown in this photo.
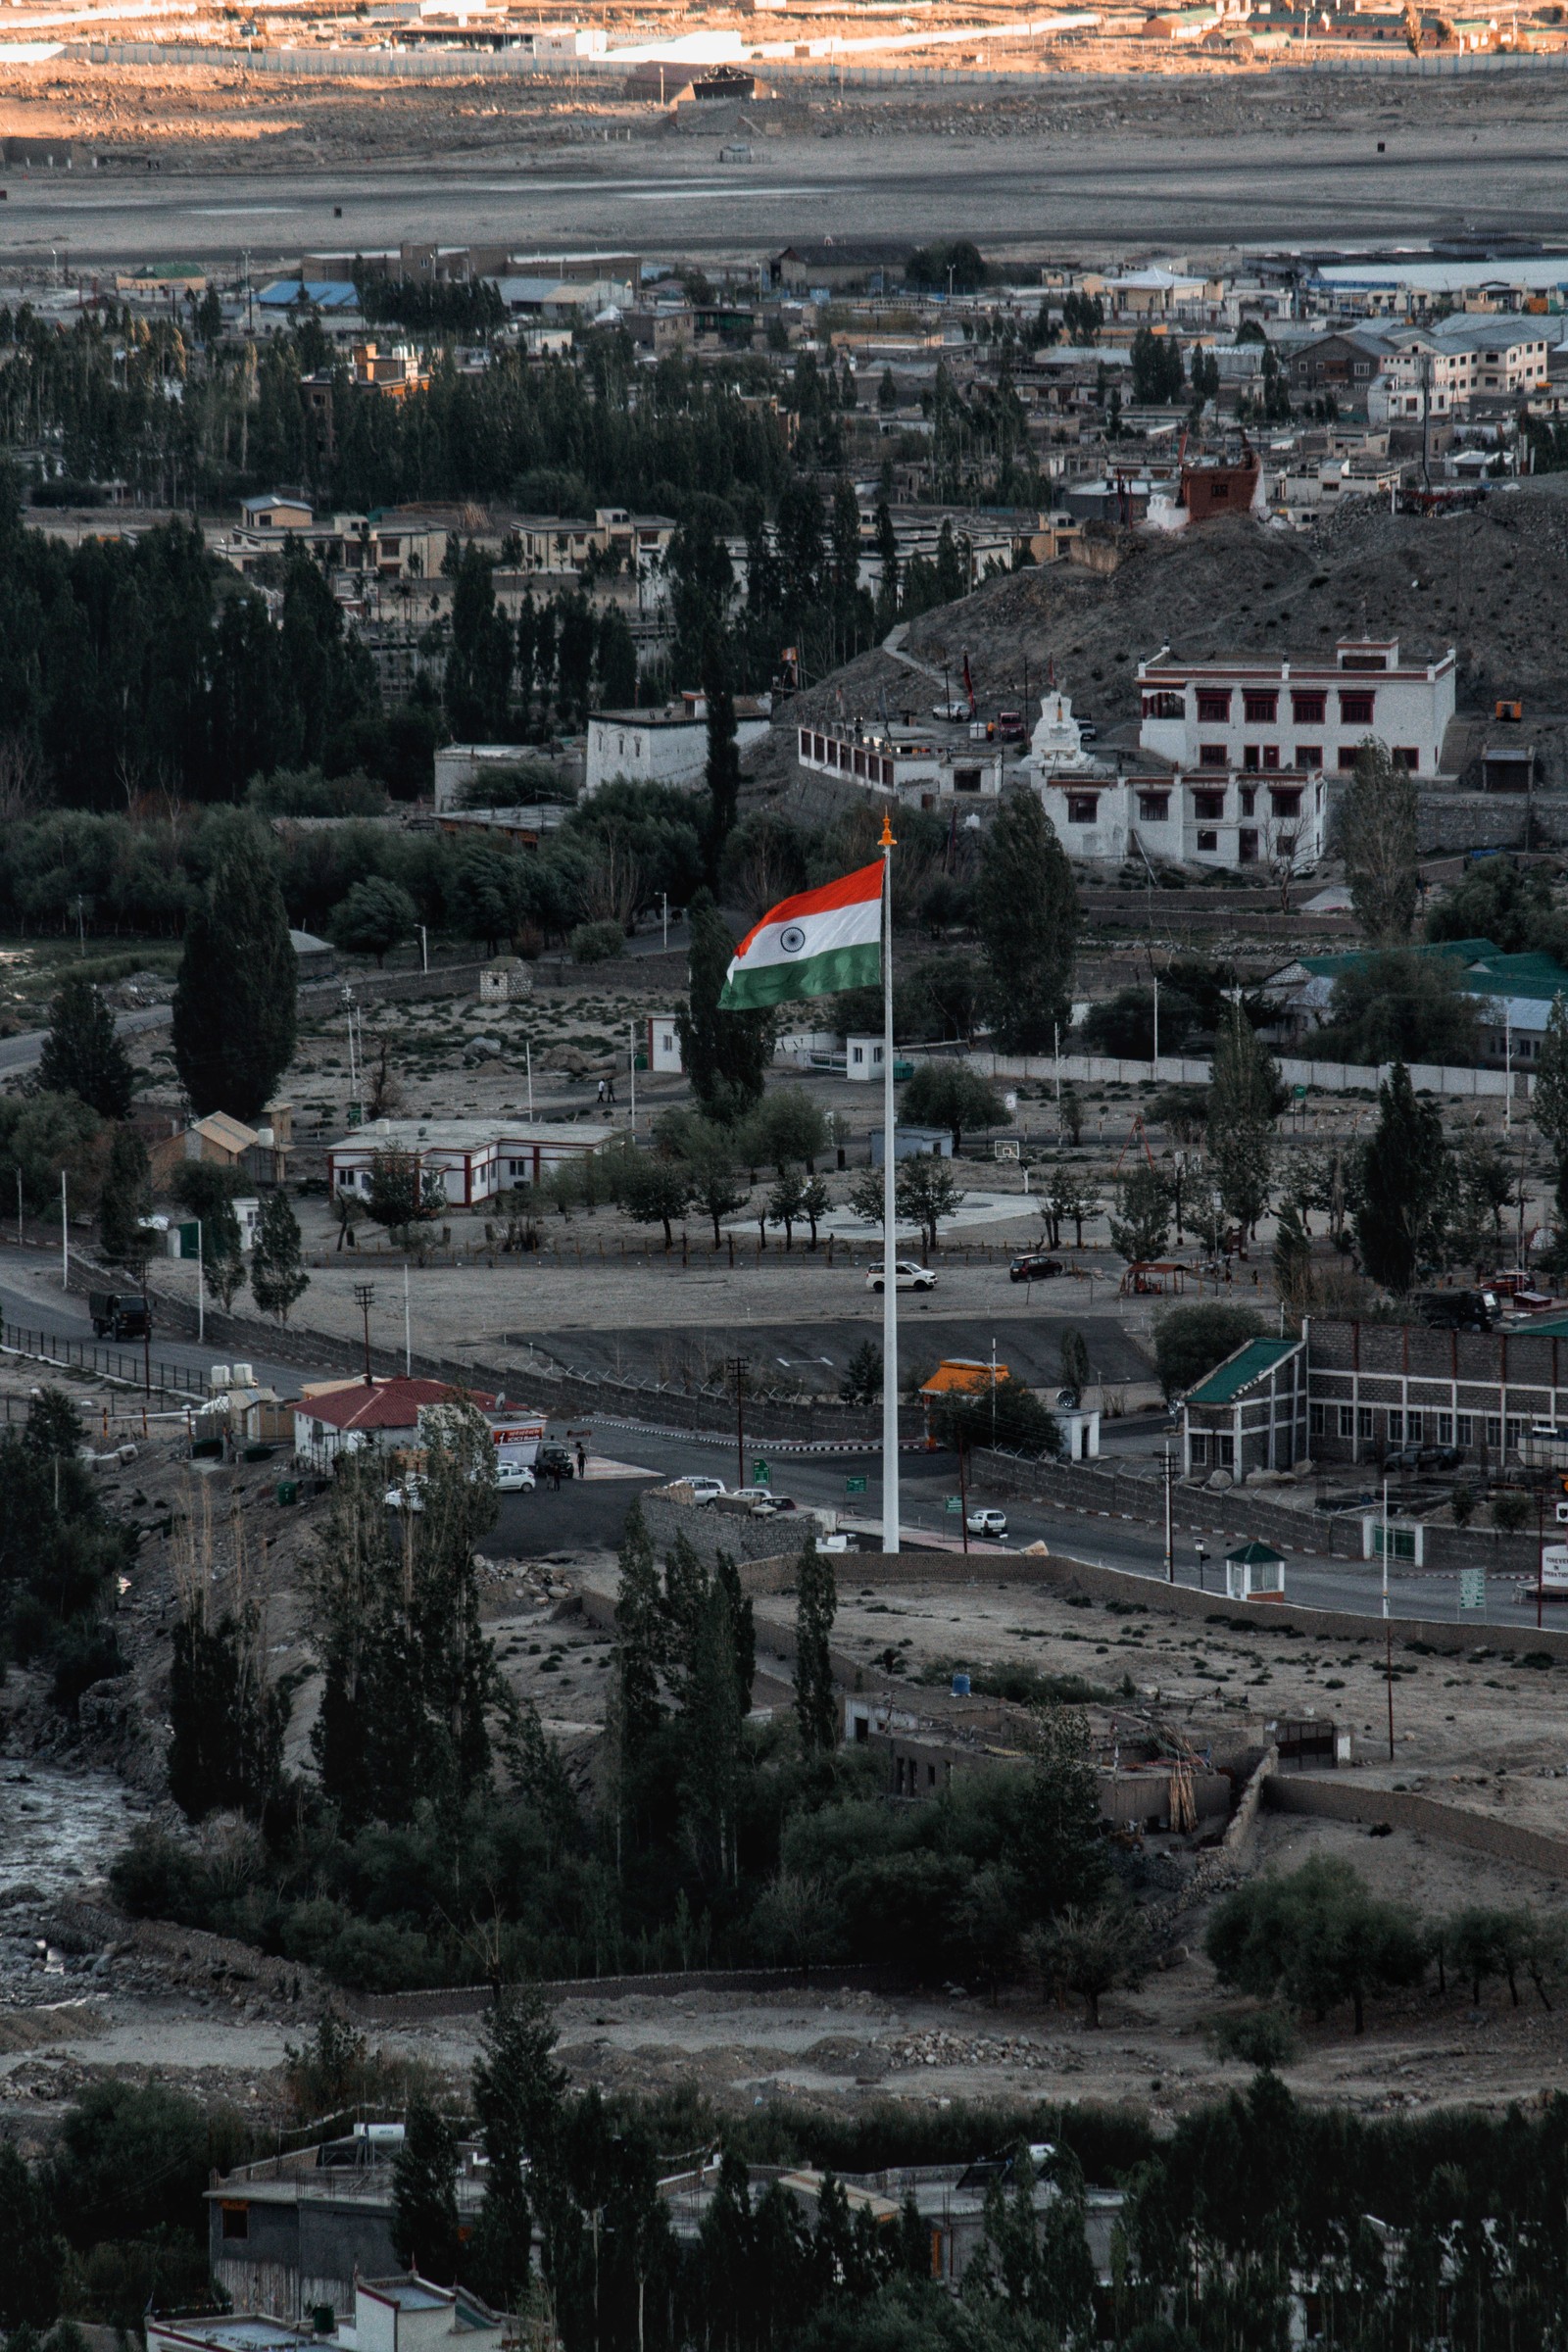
(1259, 713)
(667, 746)
(906, 763)
(1515, 995)
(401, 2313)
(473, 1159)
(378, 1415)
(1250, 1413)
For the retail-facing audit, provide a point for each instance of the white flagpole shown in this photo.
(890, 1256)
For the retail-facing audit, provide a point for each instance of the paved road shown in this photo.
(31, 1297)
(22, 1052)
(1254, 185)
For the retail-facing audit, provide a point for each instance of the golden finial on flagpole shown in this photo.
(887, 841)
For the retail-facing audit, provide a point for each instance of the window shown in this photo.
(1464, 1429)
(1208, 841)
(1261, 710)
(1494, 1428)
(1309, 755)
(967, 779)
(1246, 847)
(236, 2219)
(1355, 710)
(1309, 709)
(1167, 704)
(1213, 708)
(1224, 1449)
(1153, 807)
(1444, 1429)
(1414, 1429)
(1347, 758)
(1284, 801)
(1516, 1432)
(1396, 1426)
(1271, 756)
(1212, 754)
(1347, 1420)
(1248, 793)
(1315, 1422)
(1081, 807)
(1200, 1445)
(1406, 756)
(1209, 805)
(1363, 1421)
(1250, 758)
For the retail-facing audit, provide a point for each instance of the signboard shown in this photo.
(1405, 1540)
(762, 1474)
(1299, 1091)
(1472, 1588)
(854, 1485)
(954, 1502)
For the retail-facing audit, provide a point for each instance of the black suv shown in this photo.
(1033, 1268)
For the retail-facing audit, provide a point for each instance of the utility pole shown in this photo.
(365, 1299)
(1388, 1622)
(738, 1365)
(1201, 1550)
(1541, 1552)
(631, 1068)
(1170, 1555)
(65, 1237)
(201, 1289)
(963, 1490)
(407, 1341)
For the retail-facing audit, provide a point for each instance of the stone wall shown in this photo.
(1347, 1799)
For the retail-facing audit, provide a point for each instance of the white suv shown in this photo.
(907, 1275)
(704, 1489)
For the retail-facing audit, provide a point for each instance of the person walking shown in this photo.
(582, 1460)
(601, 1090)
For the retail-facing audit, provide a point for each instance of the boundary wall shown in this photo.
(1347, 1799)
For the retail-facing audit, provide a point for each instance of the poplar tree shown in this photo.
(723, 755)
(1377, 839)
(1026, 912)
(424, 2195)
(519, 2093)
(639, 1638)
(234, 1000)
(815, 1607)
(126, 1197)
(725, 1053)
(1409, 1187)
(277, 1271)
(1241, 1118)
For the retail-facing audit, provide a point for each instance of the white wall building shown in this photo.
(667, 746)
(1260, 715)
(904, 763)
(474, 1158)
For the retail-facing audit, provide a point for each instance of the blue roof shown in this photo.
(327, 293)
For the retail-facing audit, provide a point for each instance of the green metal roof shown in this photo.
(1486, 971)
(1255, 1556)
(1238, 1371)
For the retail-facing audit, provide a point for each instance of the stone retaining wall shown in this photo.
(468, 2001)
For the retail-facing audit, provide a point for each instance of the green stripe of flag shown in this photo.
(806, 976)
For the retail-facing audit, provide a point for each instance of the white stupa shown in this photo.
(1057, 746)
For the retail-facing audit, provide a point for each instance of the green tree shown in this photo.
(1376, 832)
(277, 1269)
(1026, 912)
(373, 916)
(82, 1054)
(1242, 1103)
(1319, 1937)
(786, 1127)
(518, 2103)
(725, 1053)
(125, 1199)
(815, 1607)
(716, 1187)
(1549, 1103)
(654, 1191)
(41, 1137)
(402, 1192)
(235, 999)
(723, 772)
(639, 1636)
(786, 1203)
(424, 2195)
(714, 1706)
(1075, 1369)
(1140, 1231)
(617, 660)
(31, 2250)
(925, 1190)
(1399, 1006)
(862, 1375)
(1190, 1340)
(950, 1094)
(1408, 1190)
(207, 1194)
(1094, 1950)
(228, 1721)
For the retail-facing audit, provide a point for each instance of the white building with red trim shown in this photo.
(475, 1159)
(1266, 714)
(379, 1414)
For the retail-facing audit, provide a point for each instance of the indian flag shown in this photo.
(810, 945)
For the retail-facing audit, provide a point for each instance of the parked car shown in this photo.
(953, 710)
(1440, 1458)
(1404, 1457)
(706, 1489)
(750, 1495)
(987, 1523)
(514, 1477)
(1032, 1267)
(551, 1456)
(907, 1275)
(769, 1505)
(117, 1314)
(409, 1492)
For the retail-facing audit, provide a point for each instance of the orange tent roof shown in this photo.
(960, 1375)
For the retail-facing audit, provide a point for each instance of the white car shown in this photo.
(514, 1477)
(987, 1523)
(953, 710)
(907, 1275)
(706, 1489)
(409, 1492)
